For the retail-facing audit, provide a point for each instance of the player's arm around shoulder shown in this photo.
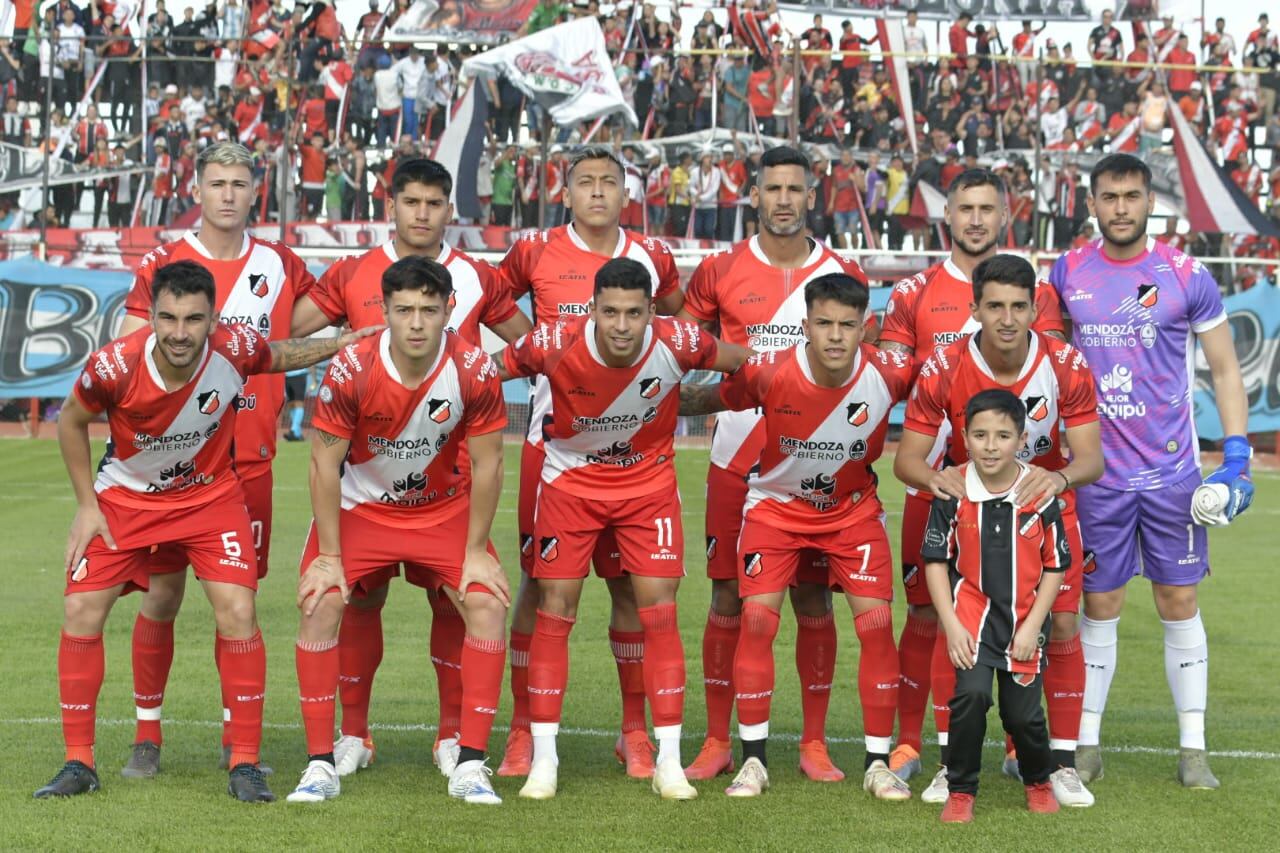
(526, 356)
(294, 353)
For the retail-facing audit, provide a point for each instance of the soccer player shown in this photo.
(168, 480)
(610, 467)
(928, 310)
(1054, 383)
(1137, 307)
(753, 295)
(386, 488)
(351, 291)
(994, 558)
(557, 267)
(258, 282)
(824, 411)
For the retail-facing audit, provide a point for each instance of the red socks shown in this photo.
(1064, 690)
(359, 653)
(944, 684)
(482, 664)
(915, 649)
(244, 684)
(664, 673)
(447, 632)
(520, 680)
(877, 674)
(152, 658)
(816, 664)
(628, 654)
(81, 665)
(317, 688)
(753, 664)
(719, 642)
(548, 667)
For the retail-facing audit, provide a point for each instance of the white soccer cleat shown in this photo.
(319, 783)
(470, 783)
(937, 792)
(542, 781)
(669, 781)
(352, 753)
(1068, 790)
(752, 780)
(880, 782)
(445, 755)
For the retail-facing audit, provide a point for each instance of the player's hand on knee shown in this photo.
(88, 524)
(324, 573)
(480, 567)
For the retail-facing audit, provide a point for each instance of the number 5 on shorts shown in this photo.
(231, 545)
(664, 531)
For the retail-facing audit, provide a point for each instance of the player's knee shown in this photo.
(485, 615)
(923, 612)
(558, 602)
(164, 598)
(373, 599)
(1175, 603)
(83, 615)
(810, 599)
(1104, 605)
(724, 598)
(322, 625)
(235, 615)
(1063, 626)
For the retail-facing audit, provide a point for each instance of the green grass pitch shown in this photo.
(400, 801)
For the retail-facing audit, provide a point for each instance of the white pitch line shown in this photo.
(603, 733)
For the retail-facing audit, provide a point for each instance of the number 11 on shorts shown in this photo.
(664, 531)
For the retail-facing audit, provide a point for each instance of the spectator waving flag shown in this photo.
(893, 43)
(460, 145)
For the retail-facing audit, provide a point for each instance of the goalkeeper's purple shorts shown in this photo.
(1148, 533)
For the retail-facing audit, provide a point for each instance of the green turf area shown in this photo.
(401, 800)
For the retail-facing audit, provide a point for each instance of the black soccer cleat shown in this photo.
(144, 761)
(224, 762)
(248, 785)
(74, 778)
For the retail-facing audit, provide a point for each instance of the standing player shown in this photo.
(257, 282)
(168, 480)
(388, 489)
(351, 291)
(1135, 306)
(1054, 383)
(610, 467)
(557, 267)
(824, 409)
(928, 310)
(753, 295)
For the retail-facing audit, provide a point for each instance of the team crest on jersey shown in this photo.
(711, 547)
(1037, 408)
(208, 402)
(752, 564)
(651, 387)
(1148, 295)
(439, 410)
(258, 284)
(549, 548)
(1027, 524)
(649, 414)
(856, 414)
(526, 543)
(1088, 562)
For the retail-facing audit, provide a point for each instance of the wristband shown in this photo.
(1065, 479)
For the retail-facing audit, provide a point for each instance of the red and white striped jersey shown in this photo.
(170, 448)
(815, 471)
(610, 434)
(760, 306)
(1055, 385)
(401, 469)
(351, 289)
(257, 289)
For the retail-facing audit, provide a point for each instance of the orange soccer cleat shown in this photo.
(635, 750)
(517, 757)
(1040, 799)
(959, 809)
(816, 763)
(714, 759)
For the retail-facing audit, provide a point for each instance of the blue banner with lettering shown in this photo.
(1254, 316)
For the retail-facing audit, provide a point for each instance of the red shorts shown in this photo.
(606, 557)
(1068, 600)
(214, 538)
(372, 553)
(257, 500)
(726, 495)
(647, 529)
(915, 518)
(858, 556)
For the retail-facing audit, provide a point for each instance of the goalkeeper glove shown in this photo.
(1234, 474)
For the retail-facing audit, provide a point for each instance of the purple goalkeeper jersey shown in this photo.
(1136, 321)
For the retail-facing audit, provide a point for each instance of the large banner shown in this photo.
(1255, 326)
(471, 21)
(988, 10)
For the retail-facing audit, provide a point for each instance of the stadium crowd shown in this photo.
(348, 104)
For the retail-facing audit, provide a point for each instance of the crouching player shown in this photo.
(993, 566)
(390, 420)
(614, 377)
(825, 405)
(169, 392)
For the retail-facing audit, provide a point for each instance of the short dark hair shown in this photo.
(183, 278)
(417, 273)
(594, 152)
(1118, 165)
(624, 274)
(977, 177)
(1004, 269)
(999, 400)
(421, 170)
(783, 155)
(837, 287)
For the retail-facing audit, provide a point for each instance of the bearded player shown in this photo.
(1053, 382)
(928, 310)
(351, 291)
(753, 295)
(557, 267)
(614, 376)
(258, 283)
(1137, 308)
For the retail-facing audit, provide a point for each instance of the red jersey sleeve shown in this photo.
(138, 301)
(514, 268)
(499, 306)
(693, 348)
(249, 351)
(700, 300)
(927, 405)
(746, 388)
(665, 265)
(337, 408)
(330, 292)
(895, 368)
(528, 354)
(1079, 400)
(1048, 310)
(299, 276)
(484, 409)
(96, 388)
(900, 314)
